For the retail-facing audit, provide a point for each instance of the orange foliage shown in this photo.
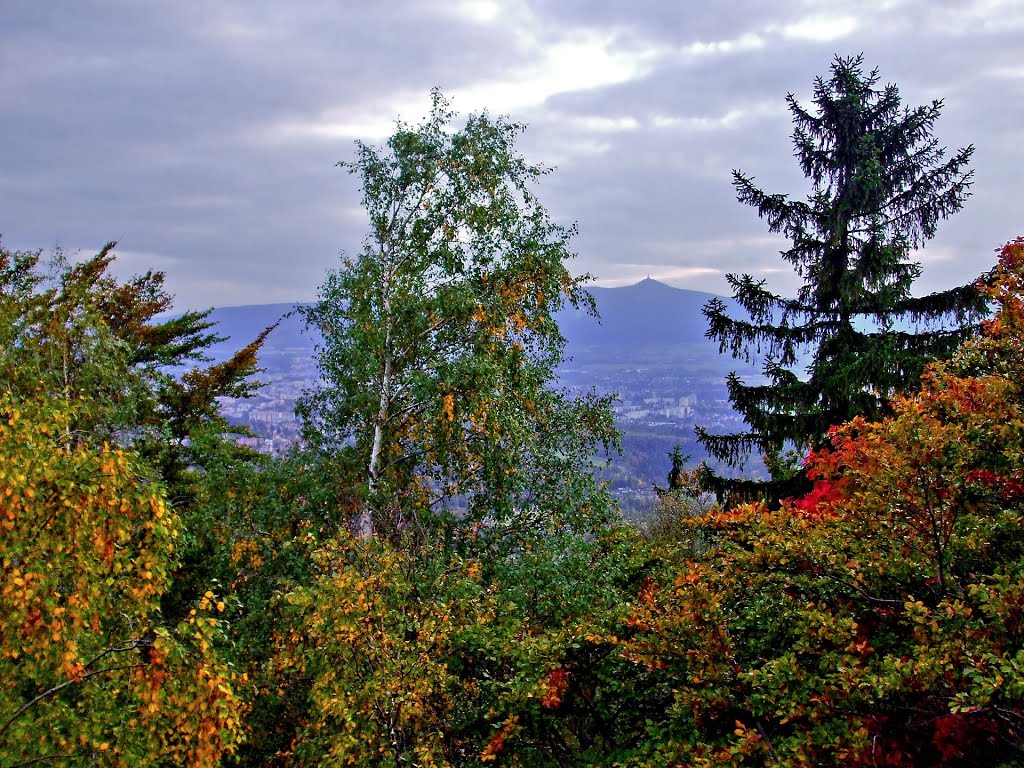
(877, 620)
(85, 554)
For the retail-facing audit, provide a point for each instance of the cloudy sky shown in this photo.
(203, 135)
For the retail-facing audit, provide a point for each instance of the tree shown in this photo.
(880, 185)
(439, 343)
(129, 374)
(92, 672)
(75, 332)
(112, 642)
(877, 620)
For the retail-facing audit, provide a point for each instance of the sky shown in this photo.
(203, 136)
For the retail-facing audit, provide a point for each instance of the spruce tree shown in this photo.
(880, 184)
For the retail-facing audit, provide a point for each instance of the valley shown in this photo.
(648, 348)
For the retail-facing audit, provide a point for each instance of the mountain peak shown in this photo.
(649, 283)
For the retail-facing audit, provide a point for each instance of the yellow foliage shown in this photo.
(86, 549)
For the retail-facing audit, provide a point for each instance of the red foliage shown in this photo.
(555, 683)
(648, 591)
(822, 467)
(954, 735)
(1008, 487)
(497, 743)
(1005, 286)
(821, 498)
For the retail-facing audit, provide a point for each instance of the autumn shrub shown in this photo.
(876, 621)
(417, 657)
(90, 672)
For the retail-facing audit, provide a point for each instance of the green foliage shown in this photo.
(440, 345)
(412, 658)
(880, 185)
(878, 619)
(112, 575)
(254, 535)
(73, 332)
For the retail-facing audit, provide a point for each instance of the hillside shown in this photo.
(648, 348)
(649, 316)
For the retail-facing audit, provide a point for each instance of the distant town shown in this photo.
(660, 398)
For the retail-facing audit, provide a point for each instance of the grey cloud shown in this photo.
(155, 124)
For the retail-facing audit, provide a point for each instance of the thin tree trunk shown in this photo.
(365, 527)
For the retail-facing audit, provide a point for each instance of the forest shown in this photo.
(435, 577)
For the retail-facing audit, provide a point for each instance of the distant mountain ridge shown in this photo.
(648, 349)
(648, 314)
(645, 316)
(240, 325)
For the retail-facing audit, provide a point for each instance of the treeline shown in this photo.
(435, 578)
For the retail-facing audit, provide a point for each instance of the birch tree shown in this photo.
(439, 342)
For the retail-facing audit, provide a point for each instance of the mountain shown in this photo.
(634, 320)
(645, 316)
(240, 325)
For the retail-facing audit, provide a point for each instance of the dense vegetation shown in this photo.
(439, 343)
(448, 589)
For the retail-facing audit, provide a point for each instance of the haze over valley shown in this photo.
(648, 347)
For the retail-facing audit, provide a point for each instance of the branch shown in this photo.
(61, 686)
(134, 645)
(44, 758)
(870, 598)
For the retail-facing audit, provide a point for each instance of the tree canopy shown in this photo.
(439, 342)
(881, 183)
(876, 620)
(98, 665)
